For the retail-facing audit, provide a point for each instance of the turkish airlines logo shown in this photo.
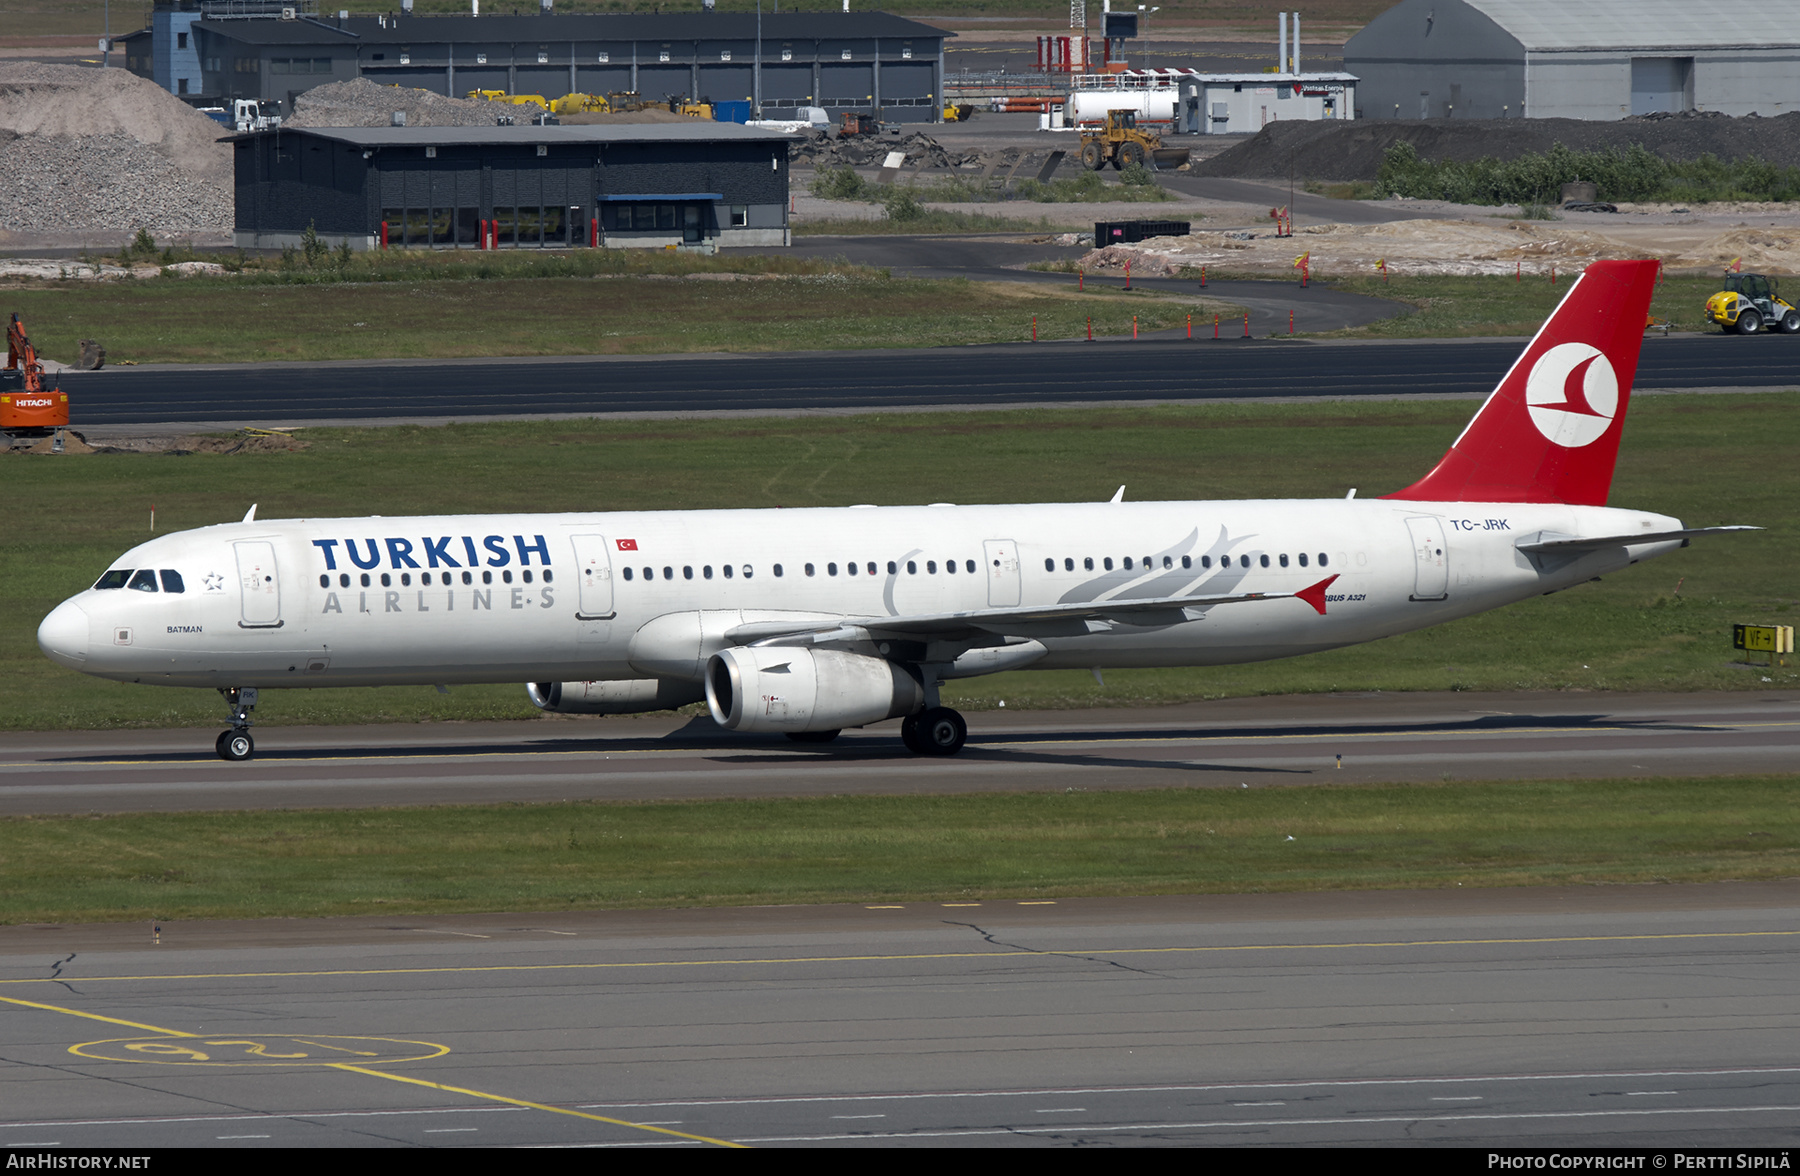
(1572, 394)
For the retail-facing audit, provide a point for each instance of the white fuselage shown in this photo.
(635, 595)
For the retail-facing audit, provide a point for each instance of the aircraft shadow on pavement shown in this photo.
(701, 734)
(974, 754)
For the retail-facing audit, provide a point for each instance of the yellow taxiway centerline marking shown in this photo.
(156, 1029)
(942, 955)
(355, 1069)
(536, 1106)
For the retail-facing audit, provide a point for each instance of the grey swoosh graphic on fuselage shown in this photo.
(1159, 582)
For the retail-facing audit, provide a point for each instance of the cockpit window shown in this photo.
(171, 581)
(114, 579)
(144, 581)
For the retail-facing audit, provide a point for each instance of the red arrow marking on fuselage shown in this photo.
(1315, 595)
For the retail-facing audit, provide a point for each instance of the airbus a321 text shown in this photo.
(810, 621)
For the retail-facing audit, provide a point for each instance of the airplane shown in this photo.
(810, 621)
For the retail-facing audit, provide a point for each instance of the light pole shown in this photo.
(1144, 15)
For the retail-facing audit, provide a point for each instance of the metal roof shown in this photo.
(699, 132)
(561, 29)
(1557, 25)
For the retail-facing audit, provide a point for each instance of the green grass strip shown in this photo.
(232, 320)
(887, 849)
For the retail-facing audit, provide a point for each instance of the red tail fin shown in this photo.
(1550, 431)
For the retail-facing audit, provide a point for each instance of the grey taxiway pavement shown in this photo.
(1532, 1017)
(1643, 1016)
(1341, 738)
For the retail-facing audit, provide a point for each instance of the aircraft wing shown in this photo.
(1162, 610)
(1551, 542)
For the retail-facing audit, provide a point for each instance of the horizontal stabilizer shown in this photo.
(1549, 541)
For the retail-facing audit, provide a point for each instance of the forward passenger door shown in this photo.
(593, 564)
(1002, 573)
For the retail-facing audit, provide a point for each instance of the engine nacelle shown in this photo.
(628, 697)
(781, 688)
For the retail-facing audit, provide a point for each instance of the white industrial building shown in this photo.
(1187, 102)
(1598, 59)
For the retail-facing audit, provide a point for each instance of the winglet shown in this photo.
(250, 515)
(1315, 595)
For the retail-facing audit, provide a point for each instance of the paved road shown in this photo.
(1615, 1016)
(981, 377)
(1255, 742)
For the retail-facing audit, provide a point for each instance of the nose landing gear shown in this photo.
(236, 744)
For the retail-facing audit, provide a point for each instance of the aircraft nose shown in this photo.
(64, 635)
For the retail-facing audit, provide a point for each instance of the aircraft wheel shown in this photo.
(1749, 322)
(812, 736)
(1790, 322)
(942, 731)
(909, 734)
(235, 745)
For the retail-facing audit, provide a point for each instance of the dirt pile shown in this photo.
(260, 443)
(73, 444)
(595, 118)
(84, 149)
(1341, 151)
(1462, 247)
(819, 149)
(362, 103)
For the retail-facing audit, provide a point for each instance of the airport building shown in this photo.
(217, 50)
(701, 186)
(1189, 102)
(1602, 59)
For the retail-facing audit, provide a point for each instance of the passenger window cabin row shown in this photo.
(850, 568)
(1149, 562)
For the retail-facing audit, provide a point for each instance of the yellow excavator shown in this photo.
(581, 104)
(537, 100)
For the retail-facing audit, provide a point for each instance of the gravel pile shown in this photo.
(819, 149)
(362, 103)
(1342, 151)
(84, 149)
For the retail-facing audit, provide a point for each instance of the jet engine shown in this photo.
(628, 697)
(781, 688)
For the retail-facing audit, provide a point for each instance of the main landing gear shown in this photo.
(236, 744)
(937, 730)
